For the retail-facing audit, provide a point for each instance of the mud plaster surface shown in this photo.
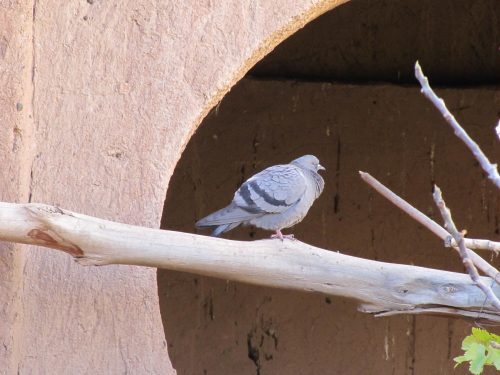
(218, 327)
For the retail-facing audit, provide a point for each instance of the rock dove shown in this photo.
(276, 198)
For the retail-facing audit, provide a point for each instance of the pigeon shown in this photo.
(276, 198)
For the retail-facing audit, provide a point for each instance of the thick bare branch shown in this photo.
(464, 254)
(430, 224)
(488, 167)
(381, 287)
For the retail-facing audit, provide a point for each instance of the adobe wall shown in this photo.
(456, 41)
(218, 327)
(16, 153)
(97, 101)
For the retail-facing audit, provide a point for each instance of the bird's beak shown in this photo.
(320, 167)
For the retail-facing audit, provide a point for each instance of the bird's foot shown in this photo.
(282, 236)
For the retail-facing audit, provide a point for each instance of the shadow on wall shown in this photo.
(218, 327)
(456, 41)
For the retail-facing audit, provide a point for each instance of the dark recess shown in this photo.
(456, 41)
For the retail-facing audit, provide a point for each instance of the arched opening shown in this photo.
(300, 99)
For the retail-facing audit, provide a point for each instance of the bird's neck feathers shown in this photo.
(319, 183)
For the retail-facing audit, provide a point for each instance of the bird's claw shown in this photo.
(282, 236)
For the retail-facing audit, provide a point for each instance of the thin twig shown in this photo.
(478, 244)
(488, 167)
(477, 316)
(464, 254)
(427, 222)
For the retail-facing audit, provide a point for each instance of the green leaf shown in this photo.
(495, 337)
(479, 352)
(468, 340)
(478, 358)
(482, 336)
(459, 360)
(493, 357)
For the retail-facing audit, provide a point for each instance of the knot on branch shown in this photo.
(46, 237)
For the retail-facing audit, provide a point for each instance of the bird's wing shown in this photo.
(273, 190)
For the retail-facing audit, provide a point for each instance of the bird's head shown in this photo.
(309, 162)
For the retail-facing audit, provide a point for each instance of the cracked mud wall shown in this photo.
(98, 100)
(16, 94)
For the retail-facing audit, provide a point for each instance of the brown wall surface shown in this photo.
(97, 101)
(389, 131)
(456, 41)
(218, 327)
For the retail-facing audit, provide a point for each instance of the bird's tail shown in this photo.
(223, 228)
(225, 219)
